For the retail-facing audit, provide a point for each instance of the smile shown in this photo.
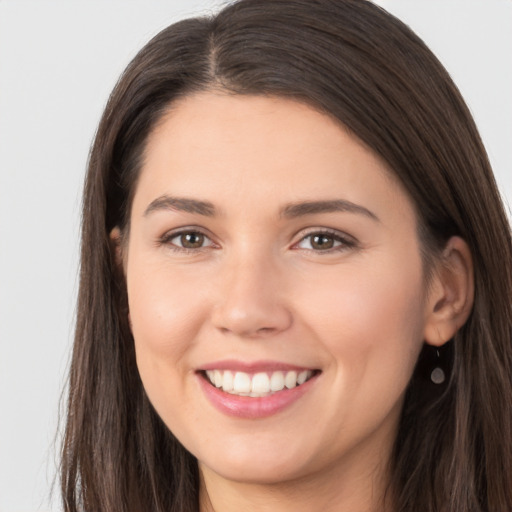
(257, 385)
(262, 390)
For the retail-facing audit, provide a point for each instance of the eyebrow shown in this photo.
(182, 204)
(335, 205)
(292, 210)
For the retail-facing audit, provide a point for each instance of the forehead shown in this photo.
(266, 150)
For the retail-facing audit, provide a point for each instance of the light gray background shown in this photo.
(58, 63)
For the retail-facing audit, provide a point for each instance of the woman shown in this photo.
(296, 277)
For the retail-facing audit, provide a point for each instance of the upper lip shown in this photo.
(253, 366)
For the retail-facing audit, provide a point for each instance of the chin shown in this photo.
(257, 466)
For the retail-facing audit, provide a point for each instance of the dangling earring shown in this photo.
(437, 375)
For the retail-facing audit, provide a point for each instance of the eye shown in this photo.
(324, 241)
(187, 240)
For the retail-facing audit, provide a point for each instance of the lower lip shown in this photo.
(253, 407)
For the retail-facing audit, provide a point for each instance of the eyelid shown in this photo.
(346, 241)
(166, 238)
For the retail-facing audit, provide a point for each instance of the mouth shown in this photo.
(259, 384)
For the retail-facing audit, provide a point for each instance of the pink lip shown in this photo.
(252, 367)
(253, 407)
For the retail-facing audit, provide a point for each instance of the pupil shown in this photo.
(322, 242)
(192, 240)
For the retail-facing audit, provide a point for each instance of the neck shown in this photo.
(353, 488)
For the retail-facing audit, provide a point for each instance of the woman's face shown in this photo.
(272, 253)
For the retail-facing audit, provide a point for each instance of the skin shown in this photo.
(258, 289)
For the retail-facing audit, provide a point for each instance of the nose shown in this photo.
(252, 299)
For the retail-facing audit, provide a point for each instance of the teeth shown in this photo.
(290, 381)
(302, 377)
(242, 383)
(258, 384)
(277, 381)
(217, 375)
(227, 381)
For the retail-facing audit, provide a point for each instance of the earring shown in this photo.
(437, 375)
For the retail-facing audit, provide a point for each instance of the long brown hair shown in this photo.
(364, 67)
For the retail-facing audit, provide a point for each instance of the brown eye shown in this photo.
(191, 240)
(325, 242)
(322, 241)
(187, 240)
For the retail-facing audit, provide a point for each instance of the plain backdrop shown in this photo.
(58, 62)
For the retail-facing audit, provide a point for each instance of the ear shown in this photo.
(451, 293)
(116, 246)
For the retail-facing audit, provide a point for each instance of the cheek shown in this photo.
(371, 319)
(164, 314)
(162, 306)
(370, 322)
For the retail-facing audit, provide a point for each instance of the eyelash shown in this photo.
(167, 240)
(344, 242)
